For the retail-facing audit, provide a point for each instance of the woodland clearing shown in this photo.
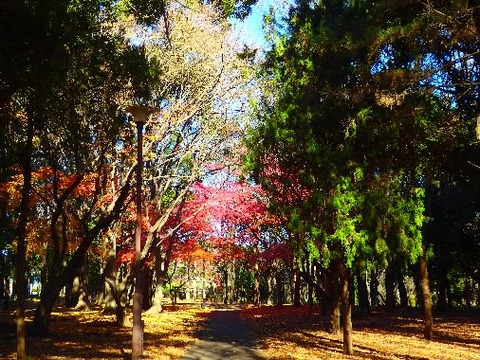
(281, 333)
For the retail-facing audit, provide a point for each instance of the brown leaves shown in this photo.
(94, 335)
(282, 333)
(297, 333)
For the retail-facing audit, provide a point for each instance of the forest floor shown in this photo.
(280, 333)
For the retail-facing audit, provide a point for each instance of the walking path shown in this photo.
(225, 336)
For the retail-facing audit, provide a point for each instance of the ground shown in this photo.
(280, 333)
(291, 333)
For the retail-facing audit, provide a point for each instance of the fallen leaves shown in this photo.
(94, 335)
(300, 333)
(285, 333)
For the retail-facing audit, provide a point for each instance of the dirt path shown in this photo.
(225, 336)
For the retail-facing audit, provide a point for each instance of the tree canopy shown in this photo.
(340, 164)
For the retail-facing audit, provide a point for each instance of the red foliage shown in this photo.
(229, 222)
(284, 184)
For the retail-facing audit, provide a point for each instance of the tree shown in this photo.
(62, 71)
(201, 93)
(354, 104)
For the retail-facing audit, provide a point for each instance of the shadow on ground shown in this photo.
(224, 336)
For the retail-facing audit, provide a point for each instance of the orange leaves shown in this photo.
(10, 191)
(58, 203)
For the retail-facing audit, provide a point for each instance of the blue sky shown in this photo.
(250, 30)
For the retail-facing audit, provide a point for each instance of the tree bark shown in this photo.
(226, 282)
(427, 299)
(160, 276)
(346, 309)
(373, 288)
(256, 277)
(334, 304)
(109, 275)
(296, 287)
(82, 296)
(390, 287)
(279, 288)
(4, 292)
(442, 287)
(62, 274)
(335, 316)
(363, 302)
(402, 290)
(21, 233)
(268, 289)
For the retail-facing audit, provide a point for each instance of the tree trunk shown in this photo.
(4, 295)
(427, 300)
(335, 316)
(442, 292)
(62, 274)
(373, 288)
(256, 277)
(363, 302)
(231, 287)
(50, 292)
(268, 289)
(296, 287)
(467, 293)
(390, 287)
(346, 309)
(113, 298)
(76, 292)
(226, 282)
(310, 290)
(109, 275)
(279, 288)
(21, 233)
(157, 304)
(147, 287)
(83, 301)
(334, 306)
(402, 290)
(44, 308)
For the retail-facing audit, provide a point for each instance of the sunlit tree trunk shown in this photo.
(4, 296)
(311, 273)
(427, 299)
(402, 290)
(157, 303)
(113, 298)
(106, 298)
(268, 289)
(76, 292)
(296, 286)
